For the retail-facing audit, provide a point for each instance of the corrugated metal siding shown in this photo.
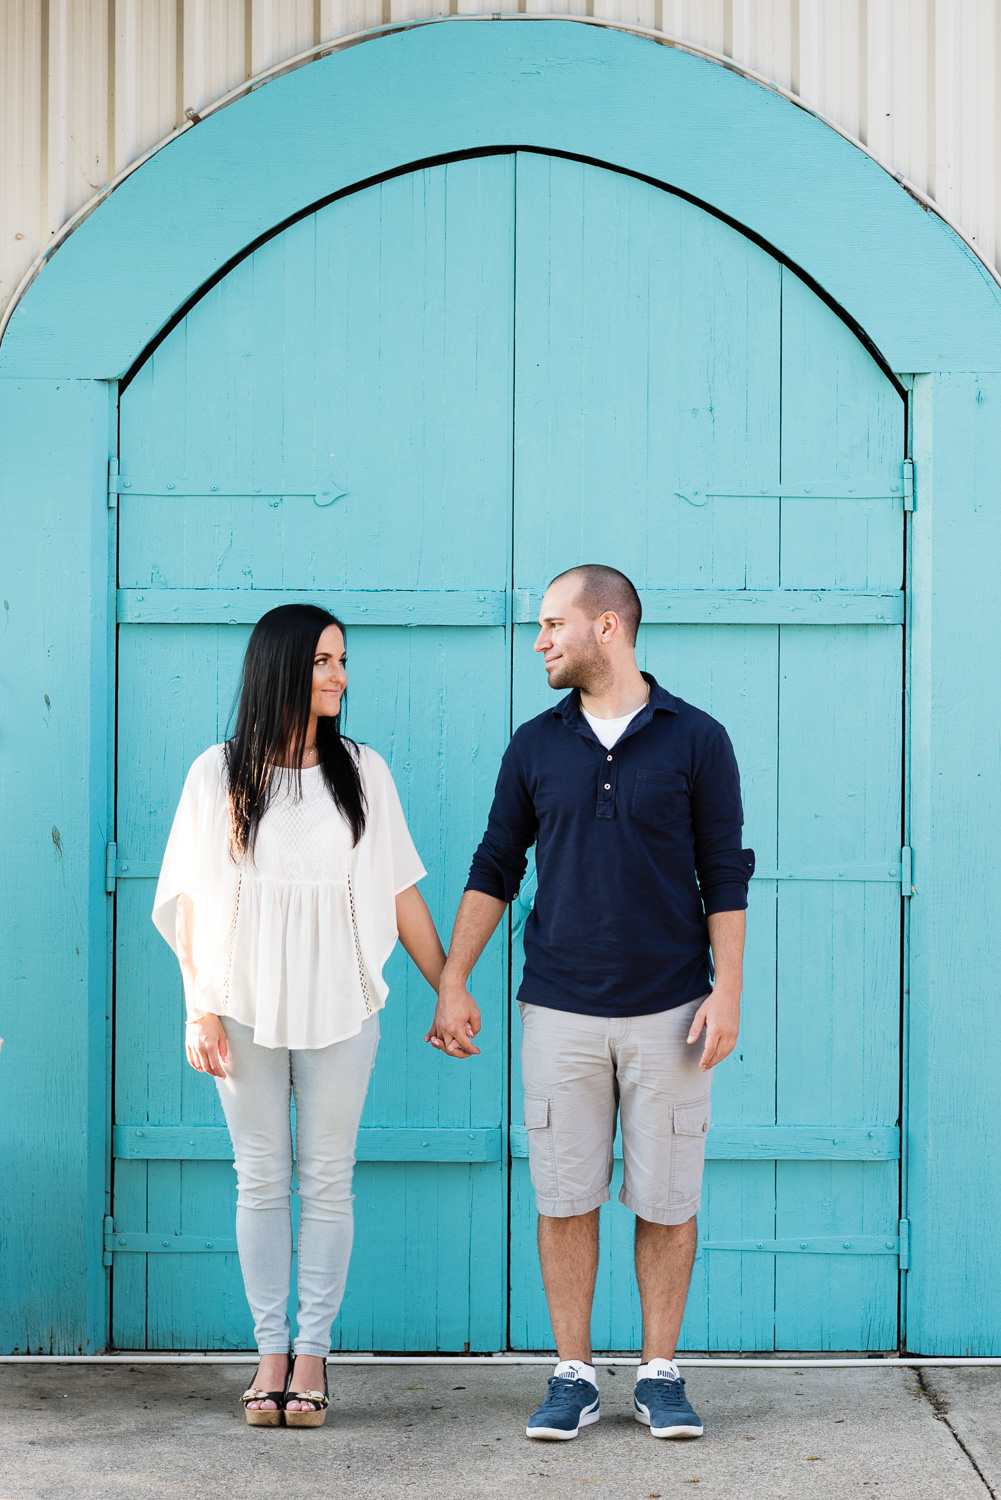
(89, 85)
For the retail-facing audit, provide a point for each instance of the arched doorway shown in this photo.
(425, 399)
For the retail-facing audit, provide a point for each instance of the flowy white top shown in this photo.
(292, 942)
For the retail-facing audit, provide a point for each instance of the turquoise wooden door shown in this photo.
(332, 421)
(407, 405)
(688, 411)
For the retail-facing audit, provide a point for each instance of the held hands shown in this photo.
(719, 1017)
(456, 1022)
(205, 1045)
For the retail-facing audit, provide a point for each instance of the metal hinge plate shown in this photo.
(109, 1229)
(906, 888)
(112, 483)
(909, 484)
(905, 1244)
(110, 868)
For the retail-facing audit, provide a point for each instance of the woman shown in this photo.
(288, 875)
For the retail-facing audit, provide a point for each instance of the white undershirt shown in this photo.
(610, 730)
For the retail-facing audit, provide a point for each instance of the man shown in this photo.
(633, 798)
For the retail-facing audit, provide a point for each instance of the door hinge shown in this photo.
(906, 888)
(112, 483)
(110, 868)
(909, 484)
(905, 1244)
(109, 1230)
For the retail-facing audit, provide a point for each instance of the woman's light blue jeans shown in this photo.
(329, 1084)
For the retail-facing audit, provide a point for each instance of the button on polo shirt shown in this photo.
(635, 848)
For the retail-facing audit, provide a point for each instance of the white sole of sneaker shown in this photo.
(556, 1434)
(643, 1416)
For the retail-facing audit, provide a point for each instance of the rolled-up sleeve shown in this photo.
(499, 863)
(723, 867)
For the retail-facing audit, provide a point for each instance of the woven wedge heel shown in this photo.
(319, 1400)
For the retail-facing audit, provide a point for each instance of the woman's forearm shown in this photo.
(419, 935)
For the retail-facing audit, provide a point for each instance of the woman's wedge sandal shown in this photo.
(265, 1417)
(318, 1400)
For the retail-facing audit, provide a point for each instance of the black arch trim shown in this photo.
(470, 155)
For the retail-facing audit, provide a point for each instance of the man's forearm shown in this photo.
(475, 923)
(726, 938)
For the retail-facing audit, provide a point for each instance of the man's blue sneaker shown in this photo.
(662, 1406)
(570, 1404)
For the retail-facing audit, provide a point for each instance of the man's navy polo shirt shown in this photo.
(637, 845)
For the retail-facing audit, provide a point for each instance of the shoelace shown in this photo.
(670, 1392)
(561, 1389)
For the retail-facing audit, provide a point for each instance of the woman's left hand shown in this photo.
(205, 1045)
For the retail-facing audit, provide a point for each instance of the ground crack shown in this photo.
(941, 1410)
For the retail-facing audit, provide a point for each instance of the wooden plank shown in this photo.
(773, 1143)
(354, 607)
(859, 1244)
(840, 416)
(954, 1104)
(840, 799)
(746, 607)
(370, 346)
(53, 446)
(375, 1143)
(618, 286)
(628, 291)
(733, 672)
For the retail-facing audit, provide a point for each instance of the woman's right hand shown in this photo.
(205, 1045)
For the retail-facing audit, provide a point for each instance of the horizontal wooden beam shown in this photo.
(411, 1143)
(375, 1143)
(749, 607)
(325, 491)
(888, 872)
(876, 874)
(780, 1143)
(816, 1244)
(353, 606)
(150, 606)
(132, 1243)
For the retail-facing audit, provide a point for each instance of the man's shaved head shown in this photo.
(602, 589)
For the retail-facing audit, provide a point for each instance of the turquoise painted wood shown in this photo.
(666, 361)
(455, 85)
(56, 609)
(954, 1293)
(368, 348)
(901, 274)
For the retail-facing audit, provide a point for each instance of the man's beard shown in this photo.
(586, 670)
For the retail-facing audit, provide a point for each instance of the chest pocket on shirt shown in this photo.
(661, 798)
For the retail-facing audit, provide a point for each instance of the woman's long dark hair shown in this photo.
(272, 721)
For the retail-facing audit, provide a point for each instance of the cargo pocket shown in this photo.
(688, 1151)
(541, 1147)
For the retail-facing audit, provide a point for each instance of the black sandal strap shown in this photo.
(253, 1394)
(319, 1400)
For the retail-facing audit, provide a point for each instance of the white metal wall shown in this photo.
(89, 85)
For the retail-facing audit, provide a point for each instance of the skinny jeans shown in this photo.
(329, 1085)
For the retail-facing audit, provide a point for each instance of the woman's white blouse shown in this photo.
(293, 942)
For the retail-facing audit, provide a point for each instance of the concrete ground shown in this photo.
(155, 1432)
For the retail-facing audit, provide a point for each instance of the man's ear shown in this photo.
(609, 625)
